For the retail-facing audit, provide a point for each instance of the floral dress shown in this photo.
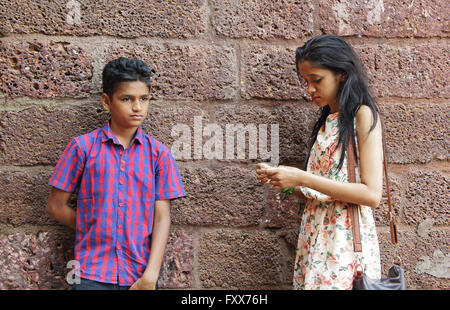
(325, 258)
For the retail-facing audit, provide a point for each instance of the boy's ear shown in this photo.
(105, 101)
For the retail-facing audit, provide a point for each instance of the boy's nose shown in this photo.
(137, 106)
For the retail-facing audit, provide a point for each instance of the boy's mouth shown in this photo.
(137, 117)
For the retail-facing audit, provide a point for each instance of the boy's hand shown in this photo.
(143, 284)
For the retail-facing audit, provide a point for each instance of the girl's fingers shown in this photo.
(263, 179)
(263, 166)
(260, 176)
(266, 181)
(275, 183)
(271, 172)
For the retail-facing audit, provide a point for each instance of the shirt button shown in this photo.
(119, 226)
(119, 247)
(121, 181)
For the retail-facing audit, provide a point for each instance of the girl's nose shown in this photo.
(311, 89)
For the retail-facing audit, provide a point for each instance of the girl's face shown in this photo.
(323, 85)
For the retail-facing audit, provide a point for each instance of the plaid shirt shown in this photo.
(116, 199)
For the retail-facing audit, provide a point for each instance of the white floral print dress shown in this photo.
(325, 258)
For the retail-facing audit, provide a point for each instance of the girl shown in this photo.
(338, 85)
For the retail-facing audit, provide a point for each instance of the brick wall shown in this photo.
(227, 62)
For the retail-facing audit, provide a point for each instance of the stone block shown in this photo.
(239, 259)
(39, 135)
(427, 196)
(174, 125)
(35, 261)
(127, 19)
(408, 71)
(244, 127)
(185, 72)
(45, 70)
(417, 132)
(177, 268)
(284, 210)
(425, 260)
(294, 121)
(23, 197)
(269, 72)
(384, 19)
(261, 19)
(225, 196)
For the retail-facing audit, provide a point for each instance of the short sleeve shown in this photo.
(313, 194)
(67, 173)
(167, 178)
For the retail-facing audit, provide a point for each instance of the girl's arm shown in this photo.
(368, 192)
(160, 235)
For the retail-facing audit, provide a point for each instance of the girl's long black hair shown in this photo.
(333, 53)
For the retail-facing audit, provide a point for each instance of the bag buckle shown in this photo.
(358, 271)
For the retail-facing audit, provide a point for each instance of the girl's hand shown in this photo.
(280, 177)
(261, 173)
(284, 177)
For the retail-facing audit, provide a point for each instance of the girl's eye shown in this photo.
(317, 81)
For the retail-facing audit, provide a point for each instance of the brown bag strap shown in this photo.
(390, 214)
(354, 212)
(357, 246)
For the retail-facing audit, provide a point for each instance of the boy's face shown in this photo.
(128, 106)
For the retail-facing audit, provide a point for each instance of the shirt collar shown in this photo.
(108, 134)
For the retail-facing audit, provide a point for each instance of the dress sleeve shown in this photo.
(167, 179)
(313, 194)
(68, 171)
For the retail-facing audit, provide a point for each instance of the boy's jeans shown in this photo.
(86, 284)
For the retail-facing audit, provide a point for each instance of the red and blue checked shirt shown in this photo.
(115, 204)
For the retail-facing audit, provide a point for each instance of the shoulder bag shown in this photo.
(396, 276)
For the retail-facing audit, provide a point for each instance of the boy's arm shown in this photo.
(58, 209)
(160, 235)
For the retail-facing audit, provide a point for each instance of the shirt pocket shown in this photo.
(142, 179)
(99, 178)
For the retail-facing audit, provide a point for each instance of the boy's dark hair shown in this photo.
(334, 53)
(124, 70)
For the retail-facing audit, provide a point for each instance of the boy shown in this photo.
(125, 180)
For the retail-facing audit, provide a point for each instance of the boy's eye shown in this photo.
(144, 98)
